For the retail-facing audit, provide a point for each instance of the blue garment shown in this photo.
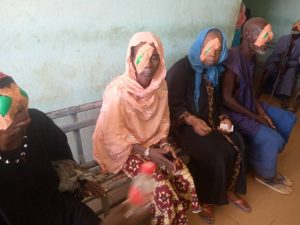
(267, 143)
(213, 72)
(236, 38)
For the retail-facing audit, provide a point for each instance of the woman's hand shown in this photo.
(157, 155)
(170, 150)
(167, 149)
(200, 126)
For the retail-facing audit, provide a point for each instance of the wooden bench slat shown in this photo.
(78, 125)
(74, 109)
(108, 181)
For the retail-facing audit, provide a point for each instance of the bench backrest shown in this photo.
(77, 124)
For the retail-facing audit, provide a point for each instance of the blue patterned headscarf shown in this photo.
(213, 72)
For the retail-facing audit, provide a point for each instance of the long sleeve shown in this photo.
(177, 79)
(56, 141)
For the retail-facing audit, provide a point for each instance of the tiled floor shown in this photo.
(268, 207)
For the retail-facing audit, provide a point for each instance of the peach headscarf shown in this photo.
(131, 114)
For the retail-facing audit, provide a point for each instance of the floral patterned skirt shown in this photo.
(173, 195)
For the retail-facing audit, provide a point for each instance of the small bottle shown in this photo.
(141, 189)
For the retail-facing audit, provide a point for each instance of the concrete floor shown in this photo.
(268, 207)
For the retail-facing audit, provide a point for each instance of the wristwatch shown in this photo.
(147, 153)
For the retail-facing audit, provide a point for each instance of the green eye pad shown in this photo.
(138, 60)
(5, 104)
(22, 92)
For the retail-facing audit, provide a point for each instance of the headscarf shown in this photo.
(131, 114)
(11, 99)
(214, 71)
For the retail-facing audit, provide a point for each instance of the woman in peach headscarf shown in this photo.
(133, 126)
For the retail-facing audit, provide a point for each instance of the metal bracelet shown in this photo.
(147, 153)
(164, 144)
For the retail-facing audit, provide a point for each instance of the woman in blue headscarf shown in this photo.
(216, 152)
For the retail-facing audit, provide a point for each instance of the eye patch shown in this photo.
(143, 56)
(265, 35)
(212, 46)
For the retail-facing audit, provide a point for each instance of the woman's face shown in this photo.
(145, 77)
(212, 53)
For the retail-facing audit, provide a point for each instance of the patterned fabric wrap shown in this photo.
(173, 195)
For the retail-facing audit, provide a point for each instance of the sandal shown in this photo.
(241, 204)
(283, 179)
(207, 213)
(275, 185)
(292, 109)
(293, 106)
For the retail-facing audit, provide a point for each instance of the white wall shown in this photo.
(64, 52)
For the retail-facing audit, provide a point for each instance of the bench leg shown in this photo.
(105, 204)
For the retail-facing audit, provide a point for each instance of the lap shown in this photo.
(213, 145)
(266, 144)
(283, 120)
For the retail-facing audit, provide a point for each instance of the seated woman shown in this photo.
(29, 142)
(133, 126)
(216, 155)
